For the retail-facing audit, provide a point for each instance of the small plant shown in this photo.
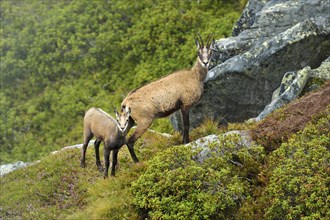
(208, 127)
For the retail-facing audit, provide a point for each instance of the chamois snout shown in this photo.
(205, 64)
(204, 57)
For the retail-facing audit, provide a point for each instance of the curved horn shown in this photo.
(201, 39)
(208, 40)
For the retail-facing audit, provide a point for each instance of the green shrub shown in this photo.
(176, 185)
(298, 176)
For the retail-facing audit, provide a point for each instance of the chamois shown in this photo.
(179, 90)
(105, 128)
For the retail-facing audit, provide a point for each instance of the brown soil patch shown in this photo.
(281, 124)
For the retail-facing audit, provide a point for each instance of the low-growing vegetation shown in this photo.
(58, 188)
(296, 176)
(48, 189)
(285, 122)
(233, 182)
(176, 185)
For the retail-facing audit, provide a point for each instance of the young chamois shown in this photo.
(177, 91)
(105, 128)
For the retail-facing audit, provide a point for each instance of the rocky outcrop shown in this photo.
(292, 85)
(293, 118)
(7, 168)
(323, 72)
(203, 144)
(271, 39)
(10, 167)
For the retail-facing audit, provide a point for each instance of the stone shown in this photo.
(323, 72)
(292, 85)
(203, 143)
(7, 168)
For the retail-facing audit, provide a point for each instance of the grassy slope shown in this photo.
(57, 187)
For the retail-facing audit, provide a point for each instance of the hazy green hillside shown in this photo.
(58, 58)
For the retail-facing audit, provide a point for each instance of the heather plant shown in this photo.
(298, 180)
(177, 185)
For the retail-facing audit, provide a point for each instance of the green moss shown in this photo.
(312, 84)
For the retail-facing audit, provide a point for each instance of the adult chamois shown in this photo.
(179, 90)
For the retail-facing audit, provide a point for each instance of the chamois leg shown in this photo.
(140, 129)
(130, 124)
(97, 154)
(87, 137)
(114, 162)
(107, 148)
(185, 121)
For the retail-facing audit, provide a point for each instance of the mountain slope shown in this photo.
(290, 181)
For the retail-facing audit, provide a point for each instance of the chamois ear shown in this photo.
(128, 110)
(116, 112)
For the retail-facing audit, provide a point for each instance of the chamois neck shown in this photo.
(121, 133)
(200, 71)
